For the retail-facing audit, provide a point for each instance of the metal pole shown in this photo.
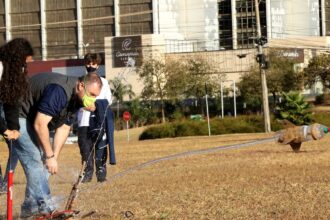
(262, 73)
(208, 115)
(127, 130)
(234, 85)
(10, 182)
(221, 92)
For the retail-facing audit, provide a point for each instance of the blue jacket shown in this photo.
(102, 122)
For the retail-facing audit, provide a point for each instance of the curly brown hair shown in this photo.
(14, 84)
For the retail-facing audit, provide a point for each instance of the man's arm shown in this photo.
(61, 134)
(50, 105)
(41, 128)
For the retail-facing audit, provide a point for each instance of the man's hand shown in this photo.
(11, 134)
(51, 165)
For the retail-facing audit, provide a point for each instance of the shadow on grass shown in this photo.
(288, 151)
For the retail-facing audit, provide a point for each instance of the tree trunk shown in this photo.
(163, 111)
(274, 98)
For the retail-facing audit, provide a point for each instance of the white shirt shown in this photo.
(83, 115)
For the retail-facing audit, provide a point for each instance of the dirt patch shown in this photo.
(262, 181)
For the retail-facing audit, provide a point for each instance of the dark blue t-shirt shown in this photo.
(53, 100)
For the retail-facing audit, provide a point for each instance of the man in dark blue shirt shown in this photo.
(52, 103)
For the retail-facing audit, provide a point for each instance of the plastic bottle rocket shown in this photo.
(297, 134)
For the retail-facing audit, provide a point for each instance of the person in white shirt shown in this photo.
(92, 62)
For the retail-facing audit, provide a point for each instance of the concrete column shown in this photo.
(8, 20)
(80, 33)
(234, 23)
(117, 17)
(43, 30)
(323, 17)
(155, 14)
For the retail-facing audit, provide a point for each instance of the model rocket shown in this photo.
(295, 135)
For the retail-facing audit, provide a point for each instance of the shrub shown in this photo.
(294, 109)
(228, 125)
(160, 131)
(322, 118)
(322, 99)
(177, 115)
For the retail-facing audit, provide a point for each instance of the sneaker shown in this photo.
(86, 179)
(88, 175)
(101, 179)
(101, 175)
(27, 215)
(33, 211)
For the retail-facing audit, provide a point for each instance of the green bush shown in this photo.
(322, 99)
(159, 131)
(322, 118)
(294, 109)
(176, 116)
(319, 99)
(228, 125)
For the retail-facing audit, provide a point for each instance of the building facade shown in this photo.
(221, 29)
(63, 29)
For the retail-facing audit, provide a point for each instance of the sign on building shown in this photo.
(127, 51)
(296, 55)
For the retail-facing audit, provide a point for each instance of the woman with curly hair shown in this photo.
(14, 86)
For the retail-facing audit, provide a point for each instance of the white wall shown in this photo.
(190, 21)
(294, 18)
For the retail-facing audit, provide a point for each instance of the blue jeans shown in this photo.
(37, 193)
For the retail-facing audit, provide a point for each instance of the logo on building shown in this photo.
(296, 55)
(126, 45)
(127, 50)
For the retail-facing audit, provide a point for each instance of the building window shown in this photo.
(225, 24)
(61, 37)
(24, 13)
(135, 24)
(246, 22)
(94, 30)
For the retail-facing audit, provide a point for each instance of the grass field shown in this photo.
(263, 181)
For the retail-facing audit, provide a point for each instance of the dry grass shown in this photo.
(265, 181)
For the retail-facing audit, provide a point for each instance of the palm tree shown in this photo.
(120, 90)
(294, 109)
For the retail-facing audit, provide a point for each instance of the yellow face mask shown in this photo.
(87, 100)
